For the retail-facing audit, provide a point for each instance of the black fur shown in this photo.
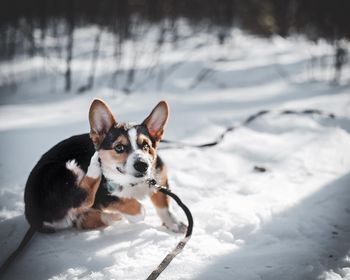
(142, 129)
(113, 134)
(51, 189)
(103, 196)
(159, 163)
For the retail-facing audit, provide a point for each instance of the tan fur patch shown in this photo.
(90, 219)
(143, 138)
(90, 185)
(162, 176)
(109, 157)
(128, 206)
(96, 138)
(120, 140)
(160, 200)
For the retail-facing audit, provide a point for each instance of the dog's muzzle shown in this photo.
(141, 167)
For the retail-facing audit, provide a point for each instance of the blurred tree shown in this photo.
(20, 19)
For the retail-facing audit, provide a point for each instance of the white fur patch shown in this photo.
(125, 180)
(73, 166)
(139, 189)
(94, 169)
(110, 218)
(133, 138)
(137, 154)
(168, 219)
(64, 223)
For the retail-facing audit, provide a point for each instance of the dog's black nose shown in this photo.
(141, 166)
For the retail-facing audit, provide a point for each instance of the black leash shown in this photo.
(152, 183)
(177, 144)
(249, 119)
(163, 265)
(27, 237)
(166, 261)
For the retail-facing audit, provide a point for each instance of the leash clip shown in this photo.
(152, 183)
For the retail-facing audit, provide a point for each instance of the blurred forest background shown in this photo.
(47, 28)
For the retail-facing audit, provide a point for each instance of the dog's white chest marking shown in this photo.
(138, 191)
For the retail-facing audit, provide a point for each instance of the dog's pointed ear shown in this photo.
(157, 120)
(101, 121)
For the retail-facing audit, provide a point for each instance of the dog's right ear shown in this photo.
(101, 121)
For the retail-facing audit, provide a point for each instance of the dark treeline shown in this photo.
(316, 18)
(21, 20)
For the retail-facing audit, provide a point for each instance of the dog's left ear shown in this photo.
(101, 121)
(157, 120)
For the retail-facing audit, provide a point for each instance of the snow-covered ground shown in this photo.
(290, 222)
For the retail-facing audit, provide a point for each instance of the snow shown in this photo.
(290, 222)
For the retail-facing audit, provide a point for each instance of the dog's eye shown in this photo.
(145, 146)
(120, 148)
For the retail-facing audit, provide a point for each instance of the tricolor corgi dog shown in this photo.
(92, 180)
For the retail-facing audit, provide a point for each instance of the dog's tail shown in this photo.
(27, 237)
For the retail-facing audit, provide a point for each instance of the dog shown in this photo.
(92, 180)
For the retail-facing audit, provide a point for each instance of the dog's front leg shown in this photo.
(130, 208)
(91, 181)
(161, 203)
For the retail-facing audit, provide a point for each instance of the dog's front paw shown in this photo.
(178, 227)
(170, 221)
(94, 169)
(139, 217)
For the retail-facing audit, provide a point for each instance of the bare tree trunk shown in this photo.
(339, 61)
(70, 45)
(130, 77)
(117, 58)
(4, 32)
(95, 54)
(12, 46)
(160, 43)
(68, 73)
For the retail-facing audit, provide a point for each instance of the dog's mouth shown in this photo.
(120, 170)
(136, 175)
(139, 175)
